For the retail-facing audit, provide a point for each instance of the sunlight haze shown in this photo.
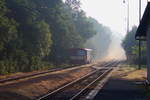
(113, 13)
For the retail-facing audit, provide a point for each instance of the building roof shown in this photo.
(145, 21)
(87, 49)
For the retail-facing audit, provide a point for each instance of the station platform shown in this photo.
(121, 89)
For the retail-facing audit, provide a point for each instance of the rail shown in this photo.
(31, 75)
(35, 74)
(59, 90)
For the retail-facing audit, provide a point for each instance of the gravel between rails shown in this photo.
(27, 89)
(70, 89)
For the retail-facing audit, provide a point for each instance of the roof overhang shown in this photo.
(143, 26)
(142, 38)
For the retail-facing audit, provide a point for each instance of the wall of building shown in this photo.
(148, 54)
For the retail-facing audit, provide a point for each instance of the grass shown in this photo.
(130, 72)
(47, 67)
(139, 75)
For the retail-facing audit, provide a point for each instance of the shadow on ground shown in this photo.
(120, 89)
(13, 96)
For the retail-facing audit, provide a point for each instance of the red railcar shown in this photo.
(80, 55)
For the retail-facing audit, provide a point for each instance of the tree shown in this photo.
(101, 41)
(8, 31)
(129, 41)
(74, 4)
(34, 38)
(8, 34)
(33, 32)
(131, 48)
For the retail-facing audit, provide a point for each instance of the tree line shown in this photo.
(36, 33)
(131, 47)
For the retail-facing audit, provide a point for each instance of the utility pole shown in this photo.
(139, 39)
(124, 1)
(128, 18)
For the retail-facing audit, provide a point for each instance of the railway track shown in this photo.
(80, 87)
(31, 75)
(36, 74)
(27, 76)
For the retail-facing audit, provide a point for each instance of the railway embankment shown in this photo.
(125, 84)
(31, 88)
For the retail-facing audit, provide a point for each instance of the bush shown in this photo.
(8, 66)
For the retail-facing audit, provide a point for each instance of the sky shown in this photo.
(113, 13)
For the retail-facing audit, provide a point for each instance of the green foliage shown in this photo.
(129, 42)
(135, 49)
(8, 31)
(84, 26)
(34, 33)
(38, 41)
(131, 47)
(74, 4)
(8, 66)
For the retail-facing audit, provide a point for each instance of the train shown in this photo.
(80, 55)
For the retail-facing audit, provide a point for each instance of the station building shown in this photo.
(143, 34)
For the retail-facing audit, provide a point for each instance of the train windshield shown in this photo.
(81, 53)
(78, 53)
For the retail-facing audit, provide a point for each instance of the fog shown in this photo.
(112, 13)
(101, 41)
(115, 50)
(106, 46)
(100, 45)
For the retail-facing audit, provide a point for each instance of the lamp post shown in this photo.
(139, 23)
(124, 1)
(128, 14)
(139, 39)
